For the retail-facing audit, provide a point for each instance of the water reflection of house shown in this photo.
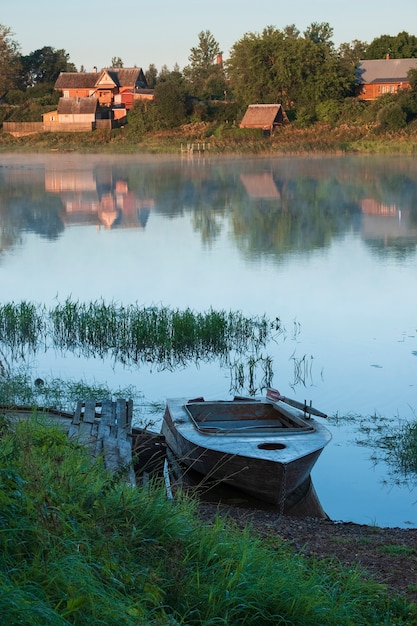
(385, 221)
(98, 199)
(260, 185)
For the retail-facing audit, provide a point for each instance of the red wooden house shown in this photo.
(109, 86)
(377, 77)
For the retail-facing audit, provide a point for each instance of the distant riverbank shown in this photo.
(226, 139)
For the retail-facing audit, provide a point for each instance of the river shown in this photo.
(325, 244)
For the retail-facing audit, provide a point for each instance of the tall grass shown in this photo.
(351, 137)
(22, 327)
(167, 337)
(135, 335)
(78, 547)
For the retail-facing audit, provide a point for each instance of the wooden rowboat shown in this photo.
(264, 447)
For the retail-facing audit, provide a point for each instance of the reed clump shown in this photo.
(79, 547)
(135, 335)
(161, 335)
(22, 327)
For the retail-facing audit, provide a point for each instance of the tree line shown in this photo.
(312, 78)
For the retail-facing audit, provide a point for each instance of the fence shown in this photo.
(22, 128)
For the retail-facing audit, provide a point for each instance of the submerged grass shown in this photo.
(79, 547)
(392, 441)
(135, 335)
(21, 327)
(167, 337)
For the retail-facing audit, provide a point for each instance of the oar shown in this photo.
(275, 395)
(303, 406)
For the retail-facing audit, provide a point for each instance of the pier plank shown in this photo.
(106, 433)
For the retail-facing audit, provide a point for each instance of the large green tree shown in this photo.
(44, 66)
(9, 61)
(283, 66)
(205, 73)
(401, 46)
(351, 53)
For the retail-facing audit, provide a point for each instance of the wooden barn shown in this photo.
(377, 77)
(72, 110)
(264, 116)
(73, 114)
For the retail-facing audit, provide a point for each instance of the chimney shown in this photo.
(219, 59)
(95, 69)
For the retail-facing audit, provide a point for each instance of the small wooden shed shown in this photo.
(264, 116)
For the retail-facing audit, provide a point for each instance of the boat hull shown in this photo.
(266, 465)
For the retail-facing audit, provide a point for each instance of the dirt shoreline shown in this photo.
(387, 555)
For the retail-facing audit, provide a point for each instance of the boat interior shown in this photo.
(242, 416)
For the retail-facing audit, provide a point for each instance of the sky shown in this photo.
(162, 32)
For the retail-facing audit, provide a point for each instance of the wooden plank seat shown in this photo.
(105, 429)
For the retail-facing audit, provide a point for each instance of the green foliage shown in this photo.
(412, 77)
(15, 96)
(320, 33)
(44, 66)
(351, 53)
(205, 74)
(10, 64)
(401, 46)
(329, 111)
(31, 110)
(352, 110)
(151, 76)
(406, 448)
(306, 115)
(116, 62)
(77, 546)
(392, 117)
(137, 120)
(281, 66)
(134, 335)
(169, 101)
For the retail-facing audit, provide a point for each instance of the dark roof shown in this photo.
(121, 77)
(384, 70)
(77, 106)
(125, 77)
(263, 116)
(76, 80)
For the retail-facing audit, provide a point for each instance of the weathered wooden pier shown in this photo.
(105, 429)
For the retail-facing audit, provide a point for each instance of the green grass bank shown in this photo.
(78, 546)
(221, 139)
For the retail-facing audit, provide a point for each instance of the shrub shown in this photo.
(329, 111)
(392, 117)
(306, 116)
(15, 96)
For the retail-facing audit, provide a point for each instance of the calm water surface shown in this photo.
(328, 245)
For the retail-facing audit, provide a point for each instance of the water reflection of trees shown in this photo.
(307, 216)
(273, 206)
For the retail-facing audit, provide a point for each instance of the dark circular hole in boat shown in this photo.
(271, 446)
